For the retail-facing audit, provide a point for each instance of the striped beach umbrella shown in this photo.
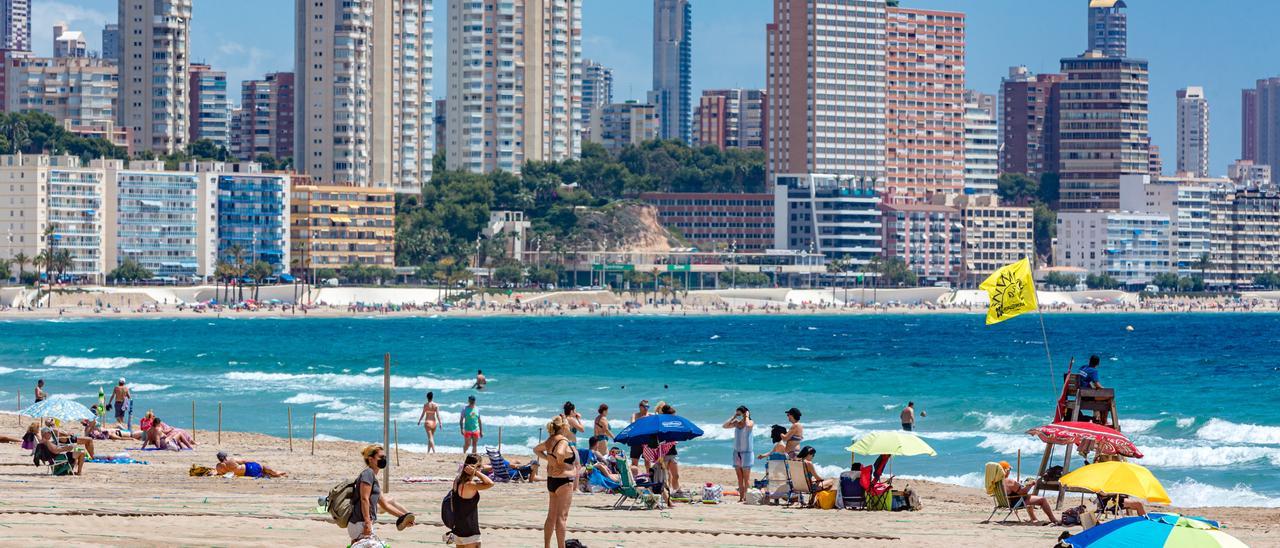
(1156, 531)
(58, 408)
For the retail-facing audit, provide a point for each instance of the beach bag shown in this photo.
(573, 543)
(341, 503)
(826, 500)
(755, 496)
(368, 542)
(446, 511)
(197, 470)
(1052, 474)
(712, 494)
(1071, 516)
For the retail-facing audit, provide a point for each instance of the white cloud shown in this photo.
(45, 14)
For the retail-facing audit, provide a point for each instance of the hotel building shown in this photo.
(1102, 132)
(710, 221)
(1193, 132)
(209, 111)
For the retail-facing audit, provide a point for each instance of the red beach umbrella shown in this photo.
(1107, 440)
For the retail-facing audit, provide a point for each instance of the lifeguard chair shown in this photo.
(1076, 404)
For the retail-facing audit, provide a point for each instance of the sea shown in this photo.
(1198, 393)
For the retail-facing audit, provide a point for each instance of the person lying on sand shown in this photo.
(1020, 491)
(93, 431)
(242, 468)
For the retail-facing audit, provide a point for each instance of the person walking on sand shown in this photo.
(908, 416)
(123, 400)
(743, 454)
(600, 427)
(471, 426)
(562, 461)
(480, 380)
(369, 499)
(465, 501)
(430, 418)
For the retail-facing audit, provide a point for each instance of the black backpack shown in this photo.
(446, 510)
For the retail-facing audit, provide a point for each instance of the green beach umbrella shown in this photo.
(902, 444)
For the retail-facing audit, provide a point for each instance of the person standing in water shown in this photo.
(480, 380)
(471, 426)
(909, 416)
(430, 418)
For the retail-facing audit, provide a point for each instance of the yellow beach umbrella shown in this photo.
(903, 444)
(1118, 478)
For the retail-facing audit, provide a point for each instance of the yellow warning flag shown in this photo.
(1012, 291)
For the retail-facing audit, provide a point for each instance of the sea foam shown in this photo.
(1221, 430)
(1190, 493)
(336, 381)
(91, 363)
(972, 479)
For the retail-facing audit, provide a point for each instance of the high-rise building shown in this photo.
(111, 42)
(77, 91)
(1249, 124)
(826, 88)
(924, 130)
(1193, 131)
(1155, 164)
(515, 83)
(597, 91)
(673, 67)
(413, 137)
(334, 226)
(253, 215)
(1108, 27)
(1266, 123)
(981, 148)
(620, 125)
(731, 118)
(56, 193)
(1242, 232)
(209, 111)
(995, 235)
(266, 117)
(1102, 130)
(1247, 174)
(1186, 202)
(158, 218)
(1028, 117)
(68, 43)
(154, 64)
(927, 237)
(15, 25)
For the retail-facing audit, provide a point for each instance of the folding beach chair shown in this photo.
(994, 483)
(778, 481)
(502, 470)
(799, 482)
(629, 490)
(852, 494)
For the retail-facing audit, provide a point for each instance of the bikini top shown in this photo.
(573, 457)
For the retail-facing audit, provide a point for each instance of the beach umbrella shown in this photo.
(58, 408)
(665, 427)
(1118, 478)
(903, 444)
(1106, 440)
(1155, 530)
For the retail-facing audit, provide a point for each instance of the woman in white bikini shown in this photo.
(430, 414)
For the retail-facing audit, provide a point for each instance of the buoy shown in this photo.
(1128, 328)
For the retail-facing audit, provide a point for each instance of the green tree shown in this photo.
(1044, 229)
(509, 273)
(130, 271)
(1166, 281)
(1101, 281)
(1016, 188)
(205, 149)
(6, 270)
(258, 271)
(1191, 284)
(1061, 280)
(22, 260)
(1267, 280)
(896, 273)
(1048, 192)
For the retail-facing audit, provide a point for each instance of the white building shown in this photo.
(1186, 203)
(68, 43)
(39, 192)
(597, 91)
(1247, 174)
(1131, 247)
(826, 214)
(981, 150)
(166, 221)
(155, 56)
(1193, 131)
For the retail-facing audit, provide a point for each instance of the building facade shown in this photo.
(673, 67)
(15, 25)
(1102, 130)
(253, 218)
(710, 221)
(825, 77)
(39, 192)
(1249, 124)
(154, 81)
(1246, 174)
(620, 125)
(209, 111)
(597, 91)
(1131, 247)
(111, 42)
(1245, 236)
(1193, 131)
(164, 220)
(1185, 202)
(1109, 27)
(334, 226)
(731, 118)
(981, 150)
(413, 137)
(828, 215)
(1265, 124)
(994, 236)
(1029, 122)
(68, 43)
(929, 238)
(266, 117)
(511, 99)
(924, 115)
(78, 91)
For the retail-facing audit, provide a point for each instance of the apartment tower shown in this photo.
(731, 118)
(1249, 124)
(924, 115)
(515, 83)
(826, 87)
(1193, 131)
(111, 42)
(15, 25)
(597, 91)
(154, 80)
(1266, 123)
(266, 117)
(1028, 115)
(1102, 131)
(673, 67)
(1109, 28)
(209, 111)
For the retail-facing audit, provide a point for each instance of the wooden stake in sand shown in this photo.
(193, 420)
(313, 433)
(386, 416)
(19, 411)
(395, 427)
(219, 423)
(499, 440)
(290, 409)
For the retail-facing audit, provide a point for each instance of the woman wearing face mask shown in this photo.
(370, 498)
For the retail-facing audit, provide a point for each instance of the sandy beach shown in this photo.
(160, 505)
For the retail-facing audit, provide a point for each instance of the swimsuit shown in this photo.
(555, 483)
(252, 470)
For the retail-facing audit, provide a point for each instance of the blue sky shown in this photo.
(1188, 42)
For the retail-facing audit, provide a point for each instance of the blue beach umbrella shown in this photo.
(58, 408)
(1156, 530)
(666, 427)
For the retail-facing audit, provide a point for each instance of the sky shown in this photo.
(1188, 42)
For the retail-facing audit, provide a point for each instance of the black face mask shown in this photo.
(382, 462)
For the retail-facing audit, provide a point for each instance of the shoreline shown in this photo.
(122, 504)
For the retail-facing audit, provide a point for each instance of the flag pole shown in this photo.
(1043, 332)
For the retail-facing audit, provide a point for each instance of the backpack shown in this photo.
(446, 511)
(341, 503)
(1071, 516)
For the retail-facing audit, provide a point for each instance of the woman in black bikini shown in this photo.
(561, 460)
(466, 517)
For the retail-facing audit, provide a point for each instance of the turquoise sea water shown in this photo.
(1198, 393)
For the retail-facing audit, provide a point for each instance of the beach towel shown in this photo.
(993, 476)
(115, 460)
(600, 483)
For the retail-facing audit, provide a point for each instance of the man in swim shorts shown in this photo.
(244, 468)
(471, 426)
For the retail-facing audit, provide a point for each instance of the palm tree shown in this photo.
(41, 260)
(236, 251)
(1202, 264)
(6, 270)
(15, 128)
(21, 259)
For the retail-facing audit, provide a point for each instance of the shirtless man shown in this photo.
(40, 393)
(122, 398)
(431, 416)
(239, 467)
(480, 380)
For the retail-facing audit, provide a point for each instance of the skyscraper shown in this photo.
(267, 117)
(826, 87)
(731, 118)
(1028, 116)
(154, 84)
(1249, 124)
(111, 42)
(1102, 128)
(209, 111)
(597, 91)
(515, 83)
(15, 25)
(1108, 27)
(981, 151)
(1193, 131)
(413, 138)
(1267, 123)
(924, 129)
(673, 67)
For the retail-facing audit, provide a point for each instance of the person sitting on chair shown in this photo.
(1089, 374)
(1020, 492)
